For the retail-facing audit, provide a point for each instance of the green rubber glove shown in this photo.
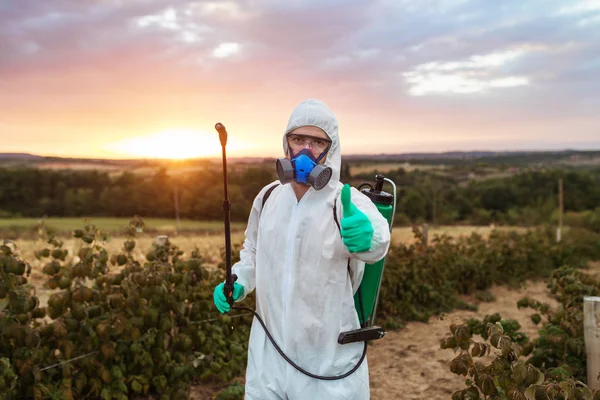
(220, 299)
(357, 230)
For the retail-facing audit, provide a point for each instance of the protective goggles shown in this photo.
(316, 144)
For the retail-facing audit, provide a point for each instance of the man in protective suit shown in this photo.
(296, 258)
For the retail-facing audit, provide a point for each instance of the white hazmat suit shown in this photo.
(294, 257)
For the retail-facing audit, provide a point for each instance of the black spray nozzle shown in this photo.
(376, 193)
(379, 179)
(222, 133)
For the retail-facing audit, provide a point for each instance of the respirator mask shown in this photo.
(303, 167)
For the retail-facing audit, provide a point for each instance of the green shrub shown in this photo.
(139, 328)
(233, 392)
(560, 348)
(506, 376)
(423, 280)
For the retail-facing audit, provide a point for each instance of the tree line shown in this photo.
(526, 198)
(529, 197)
(27, 192)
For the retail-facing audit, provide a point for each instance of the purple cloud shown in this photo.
(404, 64)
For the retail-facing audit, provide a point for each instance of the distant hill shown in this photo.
(469, 155)
(515, 158)
(19, 156)
(570, 157)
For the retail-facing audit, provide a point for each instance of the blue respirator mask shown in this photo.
(304, 168)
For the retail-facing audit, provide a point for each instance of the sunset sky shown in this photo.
(150, 78)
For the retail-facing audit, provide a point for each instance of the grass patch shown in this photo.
(115, 225)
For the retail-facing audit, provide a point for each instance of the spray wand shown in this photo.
(229, 278)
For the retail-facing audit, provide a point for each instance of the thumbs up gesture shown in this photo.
(357, 230)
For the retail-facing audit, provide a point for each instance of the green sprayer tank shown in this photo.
(365, 298)
(368, 291)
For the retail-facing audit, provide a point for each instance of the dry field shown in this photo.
(112, 225)
(387, 167)
(405, 234)
(79, 166)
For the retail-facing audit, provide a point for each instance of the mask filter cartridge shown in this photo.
(303, 168)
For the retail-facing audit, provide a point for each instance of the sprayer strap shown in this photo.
(267, 194)
(335, 218)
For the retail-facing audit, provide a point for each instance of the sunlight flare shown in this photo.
(176, 144)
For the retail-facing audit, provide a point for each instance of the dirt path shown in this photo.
(409, 364)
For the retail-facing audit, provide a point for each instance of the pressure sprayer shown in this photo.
(367, 295)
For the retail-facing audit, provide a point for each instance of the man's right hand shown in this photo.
(220, 299)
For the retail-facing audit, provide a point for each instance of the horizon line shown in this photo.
(408, 153)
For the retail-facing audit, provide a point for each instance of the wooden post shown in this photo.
(426, 234)
(433, 204)
(176, 208)
(560, 210)
(591, 334)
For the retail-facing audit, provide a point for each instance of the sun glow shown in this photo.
(175, 144)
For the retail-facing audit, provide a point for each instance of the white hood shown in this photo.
(315, 113)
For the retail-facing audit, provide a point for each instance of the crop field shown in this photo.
(209, 244)
(193, 352)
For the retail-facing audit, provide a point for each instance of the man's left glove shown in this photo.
(357, 230)
(219, 296)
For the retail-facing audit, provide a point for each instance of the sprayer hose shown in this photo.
(323, 378)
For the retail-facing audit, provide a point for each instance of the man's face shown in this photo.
(308, 137)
